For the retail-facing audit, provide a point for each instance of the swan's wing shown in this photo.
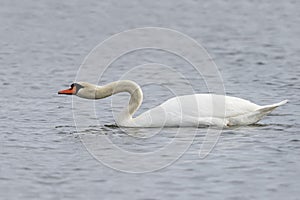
(208, 105)
(237, 106)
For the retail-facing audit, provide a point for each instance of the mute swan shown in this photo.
(188, 110)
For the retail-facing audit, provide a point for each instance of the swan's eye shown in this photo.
(72, 85)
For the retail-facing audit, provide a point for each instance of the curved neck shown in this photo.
(123, 86)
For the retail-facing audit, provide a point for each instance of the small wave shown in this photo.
(65, 126)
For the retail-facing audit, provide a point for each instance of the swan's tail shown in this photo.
(255, 116)
(268, 108)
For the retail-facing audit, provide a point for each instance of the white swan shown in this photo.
(188, 110)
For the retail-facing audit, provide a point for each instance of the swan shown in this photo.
(188, 110)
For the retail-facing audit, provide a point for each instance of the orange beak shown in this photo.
(70, 91)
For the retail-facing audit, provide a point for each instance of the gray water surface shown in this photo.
(42, 44)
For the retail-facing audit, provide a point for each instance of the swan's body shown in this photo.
(189, 110)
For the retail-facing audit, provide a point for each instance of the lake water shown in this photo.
(255, 46)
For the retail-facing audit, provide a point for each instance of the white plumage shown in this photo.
(189, 110)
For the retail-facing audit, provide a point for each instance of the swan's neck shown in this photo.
(123, 86)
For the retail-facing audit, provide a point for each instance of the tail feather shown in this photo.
(255, 116)
(269, 108)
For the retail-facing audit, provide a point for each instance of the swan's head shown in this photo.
(81, 89)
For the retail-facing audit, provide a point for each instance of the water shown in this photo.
(254, 44)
